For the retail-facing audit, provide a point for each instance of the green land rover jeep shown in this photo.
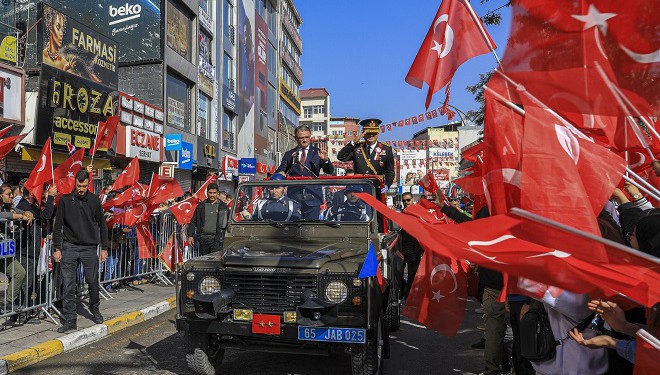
(287, 279)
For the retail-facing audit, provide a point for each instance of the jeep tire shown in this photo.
(367, 358)
(393, 308)
(202, 359)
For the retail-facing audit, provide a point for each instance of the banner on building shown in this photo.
(246, 74)
(412, 166)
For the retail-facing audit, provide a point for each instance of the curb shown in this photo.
(72, 341)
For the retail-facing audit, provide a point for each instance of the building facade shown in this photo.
(215, 81)
(315, 111)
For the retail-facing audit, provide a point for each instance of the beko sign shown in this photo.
(124, 13)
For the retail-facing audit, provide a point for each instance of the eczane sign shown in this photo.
(142, 143)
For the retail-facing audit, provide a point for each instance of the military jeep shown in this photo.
(288, 281)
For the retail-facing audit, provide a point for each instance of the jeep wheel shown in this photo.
(367, 358)
(202, 357)
(393, 309)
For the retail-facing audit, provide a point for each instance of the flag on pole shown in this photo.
(8, 144)
(455, 36)
(71, 148)
(42, 173)
(105, 134)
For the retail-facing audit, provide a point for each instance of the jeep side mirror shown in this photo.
(393, 226)
(223, 218)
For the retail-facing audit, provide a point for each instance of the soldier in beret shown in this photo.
(370, 157)
(353, 209)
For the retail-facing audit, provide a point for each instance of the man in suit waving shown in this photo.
(306, 160)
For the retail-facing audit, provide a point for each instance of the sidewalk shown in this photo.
(25, 344)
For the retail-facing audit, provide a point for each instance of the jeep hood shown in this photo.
(298, 254)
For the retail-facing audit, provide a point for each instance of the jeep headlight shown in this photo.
(209, 285)
(336, 292)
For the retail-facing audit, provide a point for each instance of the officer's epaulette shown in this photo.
(385, 145)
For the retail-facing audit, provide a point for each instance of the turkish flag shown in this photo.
(502, 149)
(428, 182)
(498, 243)
(128, 176)
(647, 355)
(184, 210)
(455, 36)
(5, 131)
(8, 144)
(201, 192)
(138, 211)
(438, 294)
(42, 173)
(162, 190)
(120, 200)
(146, 244)
(566, 176)
(563, 34)
(105, 134)
(64, 174)
(171, 254)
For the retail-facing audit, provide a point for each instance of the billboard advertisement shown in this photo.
(412, 166)
(69, 46)
(261, 90)
(246, 73)
(135, 24)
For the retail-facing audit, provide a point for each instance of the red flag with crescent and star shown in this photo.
(162, 190)
(129, 176)
(42, 173)
(184, 210)
(146, 244)
(65, 173)
(105, 134)
(171, 254)
(8, 144)
(455, 36)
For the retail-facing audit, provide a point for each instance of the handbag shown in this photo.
(537, 342)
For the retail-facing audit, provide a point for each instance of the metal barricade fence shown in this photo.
(31, 281)
(26, 281)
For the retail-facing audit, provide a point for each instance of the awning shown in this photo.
(33, 154)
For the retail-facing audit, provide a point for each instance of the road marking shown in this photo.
(406, 344)
(413, 324)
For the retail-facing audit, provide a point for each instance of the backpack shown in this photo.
(537, 342)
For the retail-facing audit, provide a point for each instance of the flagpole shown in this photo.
(504, 101)
(642, 181)
(483, 32)
(649, 338)
(565, 228)
(619, 97)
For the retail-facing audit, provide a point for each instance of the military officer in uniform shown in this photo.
(277, 207)
(370, 156)
(353, 209)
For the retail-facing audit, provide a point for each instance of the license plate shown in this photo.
(331, 334)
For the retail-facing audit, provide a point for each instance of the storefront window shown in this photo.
(178, 103)
(204, 116)
(179, 31)
(228, 131)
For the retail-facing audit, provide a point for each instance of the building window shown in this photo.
(178, 103)
(271, 16)
(319, 110)
(206, 6)
(228, 17)
(228, 72)
(228, 131)
(261, 8)
(272, 61)
(204, 116)
(179, 31)
(272, 101)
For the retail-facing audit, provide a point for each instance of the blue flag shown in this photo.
(370, 266)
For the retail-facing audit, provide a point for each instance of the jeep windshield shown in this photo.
(301, 201)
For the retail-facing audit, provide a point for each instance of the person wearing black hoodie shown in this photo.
(78, 229)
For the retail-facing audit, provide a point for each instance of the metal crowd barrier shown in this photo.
(30, 281)
(25, 283)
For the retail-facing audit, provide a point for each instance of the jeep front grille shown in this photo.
(269, 292)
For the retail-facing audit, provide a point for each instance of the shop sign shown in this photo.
(210, 151)
(12, 95)
(8, 49)
(229, 167)
(166, 171)
(247, 166)
(289, 96)
(185, 156)
(173, 142)
(228, 98)
(262, 168)
(143, 144)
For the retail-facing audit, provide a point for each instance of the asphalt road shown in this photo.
(154, 347)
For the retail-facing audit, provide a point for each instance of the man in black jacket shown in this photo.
(78, 229)
(206, 220)
(307, 161)
(411, 249)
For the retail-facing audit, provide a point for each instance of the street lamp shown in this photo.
(461, 114)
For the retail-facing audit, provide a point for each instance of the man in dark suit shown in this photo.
(308, 161)
(370, 156)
